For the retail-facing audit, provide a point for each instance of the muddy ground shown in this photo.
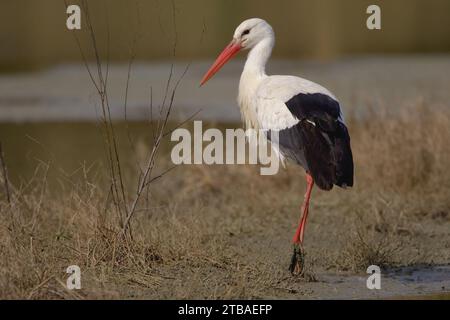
(224, 231)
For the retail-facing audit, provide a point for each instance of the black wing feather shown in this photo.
(319, 142)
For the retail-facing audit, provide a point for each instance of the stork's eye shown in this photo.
(246, 32)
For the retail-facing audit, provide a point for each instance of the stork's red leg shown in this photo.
(297, 259)
(300, 233)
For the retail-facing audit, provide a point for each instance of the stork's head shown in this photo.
(250, 32)
(247, 35)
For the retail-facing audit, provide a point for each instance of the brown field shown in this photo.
(224, 231)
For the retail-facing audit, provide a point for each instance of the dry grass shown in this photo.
(224, 231)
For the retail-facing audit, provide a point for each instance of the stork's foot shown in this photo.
(297, 267)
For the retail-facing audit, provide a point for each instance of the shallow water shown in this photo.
(66, 146)
(412, 282)
(422, 274)
(70, 146)
(65, 93)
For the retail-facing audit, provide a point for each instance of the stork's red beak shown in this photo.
(227, 53)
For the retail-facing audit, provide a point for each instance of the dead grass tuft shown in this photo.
(368, 248)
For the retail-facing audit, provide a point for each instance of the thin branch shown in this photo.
(110, 136)
(151, 113)
(160, 175)
(151, 159)
(183, 122)
(5, 174)
(127, 86)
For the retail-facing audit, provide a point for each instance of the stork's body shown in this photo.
(302, 119)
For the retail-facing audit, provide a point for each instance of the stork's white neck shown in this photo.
(257, 58)
(254, 72)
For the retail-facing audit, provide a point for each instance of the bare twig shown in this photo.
(127, 86)
(100, 83)
(183, 122)
(144, 181)
(126, 207)
(5, 175)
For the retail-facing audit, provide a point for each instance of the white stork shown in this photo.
(306, 117)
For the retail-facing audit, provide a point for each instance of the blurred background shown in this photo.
(46, 95)
(33, 33)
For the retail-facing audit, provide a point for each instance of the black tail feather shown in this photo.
(328, 155)
(343, 157)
